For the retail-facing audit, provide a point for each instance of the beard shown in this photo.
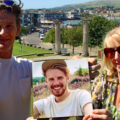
(58, 90)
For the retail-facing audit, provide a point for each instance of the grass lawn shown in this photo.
(19, 49)
(31, 103)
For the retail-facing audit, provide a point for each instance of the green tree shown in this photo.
(75, 37)
(64, 37)
(50, 36)
(97, 29)
(24, 30)
(72, 36)
(82, 72)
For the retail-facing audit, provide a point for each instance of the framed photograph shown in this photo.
(61, 89)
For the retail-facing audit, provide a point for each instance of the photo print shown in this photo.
(61, 89)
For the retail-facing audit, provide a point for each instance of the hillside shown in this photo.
(96, 3)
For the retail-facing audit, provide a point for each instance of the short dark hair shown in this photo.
(15, 9)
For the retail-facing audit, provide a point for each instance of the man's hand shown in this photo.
(31, 118)
(88, 117)
(93, 67)
(36, 114)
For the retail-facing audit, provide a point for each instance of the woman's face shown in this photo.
(113, 43)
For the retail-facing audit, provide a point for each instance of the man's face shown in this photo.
(56, 81)
(8, 31)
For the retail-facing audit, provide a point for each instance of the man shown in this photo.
(63, 102)
(15, 74)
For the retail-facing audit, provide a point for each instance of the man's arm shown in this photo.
(88, 108)
(35, 112)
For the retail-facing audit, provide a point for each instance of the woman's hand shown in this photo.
(101, 114)
(93, 67)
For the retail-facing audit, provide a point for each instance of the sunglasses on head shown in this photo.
(110, 52)
(8, 2)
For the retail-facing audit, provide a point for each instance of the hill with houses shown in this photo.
(93, 4)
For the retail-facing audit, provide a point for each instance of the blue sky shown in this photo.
(35, 4)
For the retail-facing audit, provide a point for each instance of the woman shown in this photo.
(106, 87)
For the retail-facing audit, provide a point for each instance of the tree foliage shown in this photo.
(82, 72)
(50, 36)
(75, 36)
(24, 30)
(72, 36)
(98, 27)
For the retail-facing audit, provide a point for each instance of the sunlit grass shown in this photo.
(20, 49)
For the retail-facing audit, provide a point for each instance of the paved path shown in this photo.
(51, 58)
(32, 39)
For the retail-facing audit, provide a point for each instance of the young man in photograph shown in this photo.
(63, 102)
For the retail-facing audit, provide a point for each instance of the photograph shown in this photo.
(61, 89)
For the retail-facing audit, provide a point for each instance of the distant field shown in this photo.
(23, 49)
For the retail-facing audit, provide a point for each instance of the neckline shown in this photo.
(2, 60)
(62, 102)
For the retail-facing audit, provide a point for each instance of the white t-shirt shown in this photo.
(71, 106)
(15, 87)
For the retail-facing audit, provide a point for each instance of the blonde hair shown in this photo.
(113, 35)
